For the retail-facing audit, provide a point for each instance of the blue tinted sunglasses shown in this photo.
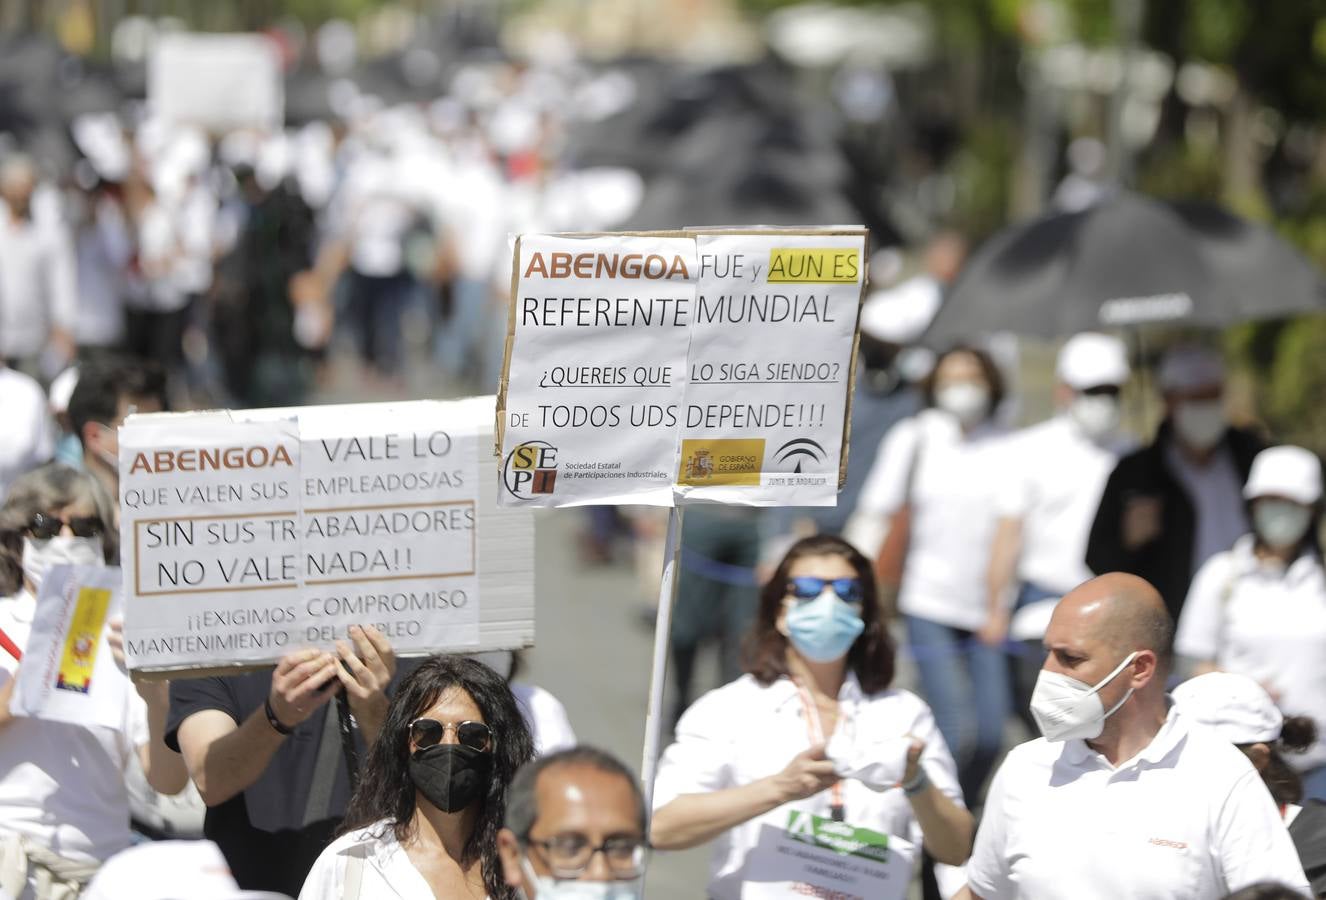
(807, 588)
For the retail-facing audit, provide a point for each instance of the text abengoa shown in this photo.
(662, 368)
(250, 533)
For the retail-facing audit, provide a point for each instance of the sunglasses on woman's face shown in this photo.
(43, 527)
(807, 588)
(431, 732)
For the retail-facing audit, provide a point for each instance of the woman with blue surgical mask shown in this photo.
(1259, 608)
(811, 742)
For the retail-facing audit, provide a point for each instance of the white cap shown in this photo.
(1286, 471)
(1090, 360)
(1189, 367)
(901, 314)
(1234, 705)
(162, 870)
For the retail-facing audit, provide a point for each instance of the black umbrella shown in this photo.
(1128, 260)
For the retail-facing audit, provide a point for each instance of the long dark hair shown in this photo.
(1297, 735)
(870, 656)
(385, 790)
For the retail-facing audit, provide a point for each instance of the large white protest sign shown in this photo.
(378, 517)
(68, 672)
(660, 369)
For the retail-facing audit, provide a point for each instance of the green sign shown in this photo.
(840, 837)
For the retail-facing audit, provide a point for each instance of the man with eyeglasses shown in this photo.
(1057, 471)
(575, 827)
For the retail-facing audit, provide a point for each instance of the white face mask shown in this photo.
(550, 888)
(1280, 523)
(39, 556)
(1065, 708)
(1202, 424)
(1096, 414)
(966, 401)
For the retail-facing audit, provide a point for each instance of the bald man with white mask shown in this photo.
(1121, 797)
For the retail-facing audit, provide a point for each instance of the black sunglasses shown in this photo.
(807, 588)
(430, 733)
(44, 527)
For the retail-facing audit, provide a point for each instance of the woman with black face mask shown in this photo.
(423, 822)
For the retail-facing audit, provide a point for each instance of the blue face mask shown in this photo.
(824, 629)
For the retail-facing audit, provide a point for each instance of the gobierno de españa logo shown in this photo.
(530, 468)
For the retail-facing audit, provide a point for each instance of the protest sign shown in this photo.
(218, 82)
(799, 854)
(252, 533)
(666, 368)
(68, 672)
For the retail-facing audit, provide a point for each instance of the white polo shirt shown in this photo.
(1266, 622)
(62, 786)
(1188, 817)
(1055, 480)
(953, 490)
(745, 731)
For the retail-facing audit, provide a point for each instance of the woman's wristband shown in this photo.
(917, 783)
(273, 721)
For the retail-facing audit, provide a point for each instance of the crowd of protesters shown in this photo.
(1153, 613)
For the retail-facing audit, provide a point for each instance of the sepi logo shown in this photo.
(530, 468)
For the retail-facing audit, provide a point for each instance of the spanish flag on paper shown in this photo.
(83, 640)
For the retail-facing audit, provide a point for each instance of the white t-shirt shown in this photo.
(546, 717)
(1268, 623)
(62, 786)
(956, 482)
(37, 283)
(1187, 817)
(1216, 492)
(28, 437)
(385, 870)
(745, 731)
(1054, 483)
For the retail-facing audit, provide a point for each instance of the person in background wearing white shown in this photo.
(38, 297)
(1057, 472)
(549, 725)
(1241, 712)
(933, 488)
(1172, 505)
(813, 726)
(63, 804)
(28, 437)
(1122, 796)
(1259, 608)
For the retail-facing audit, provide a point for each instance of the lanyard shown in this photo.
(815, 728)
(10, 647)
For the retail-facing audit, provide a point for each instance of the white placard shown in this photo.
(68, 672)
(663, 369)
(799, 855)
(378, 519)
(216, 81)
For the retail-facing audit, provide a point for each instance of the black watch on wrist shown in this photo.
(273, 721)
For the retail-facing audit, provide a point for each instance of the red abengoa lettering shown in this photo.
(202, 459)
